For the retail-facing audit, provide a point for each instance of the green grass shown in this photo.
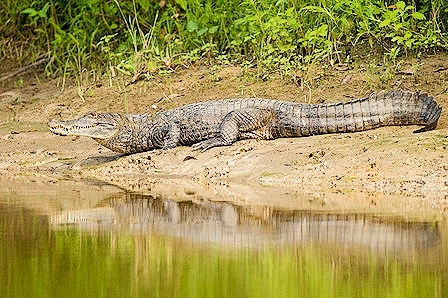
(141, 38)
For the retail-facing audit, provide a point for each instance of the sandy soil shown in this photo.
(387, 170)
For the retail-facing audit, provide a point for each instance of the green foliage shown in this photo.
(35, 15)
(141, 37)
(407, 29)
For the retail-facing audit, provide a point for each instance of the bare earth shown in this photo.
(388, 170)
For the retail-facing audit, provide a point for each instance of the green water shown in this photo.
(131, 245)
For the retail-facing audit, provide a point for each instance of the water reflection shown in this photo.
(131, 245)
(244, 226)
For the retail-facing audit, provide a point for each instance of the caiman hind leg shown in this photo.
(240, 124)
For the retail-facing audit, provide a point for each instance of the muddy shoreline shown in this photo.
(388, 170)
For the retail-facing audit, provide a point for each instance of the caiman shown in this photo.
(222, 122)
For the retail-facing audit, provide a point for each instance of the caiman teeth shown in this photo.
(78, 127)
(83, 127)
(71, 128)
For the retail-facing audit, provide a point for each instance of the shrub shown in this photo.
(143, 36)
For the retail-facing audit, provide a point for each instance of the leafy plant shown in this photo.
(402, 22)
(35, 15)
(141, 37)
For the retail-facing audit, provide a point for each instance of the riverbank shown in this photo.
(384, 170)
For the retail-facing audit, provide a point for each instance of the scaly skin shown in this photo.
(218, 123)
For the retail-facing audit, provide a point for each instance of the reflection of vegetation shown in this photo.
(140, 37)
(36, 262)
(72, 264)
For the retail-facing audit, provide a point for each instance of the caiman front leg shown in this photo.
(238, 124)
(172, 137)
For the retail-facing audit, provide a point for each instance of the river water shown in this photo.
(66, 242)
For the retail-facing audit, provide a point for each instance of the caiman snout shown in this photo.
(57, 127)
(95, 125)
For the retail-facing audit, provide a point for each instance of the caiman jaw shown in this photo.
(95, 125)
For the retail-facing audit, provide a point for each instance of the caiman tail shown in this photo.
(376, 110)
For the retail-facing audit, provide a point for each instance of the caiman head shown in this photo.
(108, 129)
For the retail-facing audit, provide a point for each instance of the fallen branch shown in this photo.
(25, 68)
(441, 69)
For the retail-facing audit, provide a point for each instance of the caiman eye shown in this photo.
(91, 114)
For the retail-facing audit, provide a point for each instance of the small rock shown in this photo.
(189, 157)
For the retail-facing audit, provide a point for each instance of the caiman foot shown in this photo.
(210, 143)
(429, 127)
